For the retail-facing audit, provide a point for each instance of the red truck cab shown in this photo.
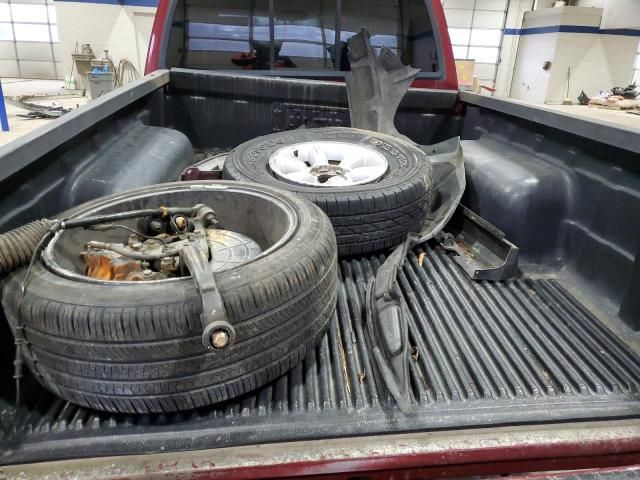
(292, 39)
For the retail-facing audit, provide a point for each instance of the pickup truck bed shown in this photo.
(486, 354)
(555, 345)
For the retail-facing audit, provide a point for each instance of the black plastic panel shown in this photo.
(223, 110)
(519, 352)
(569, 203)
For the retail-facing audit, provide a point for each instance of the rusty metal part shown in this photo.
(227, 250)
(106, 266)
(147, 255)
(480, 248)
(208, 169)
(205, 216)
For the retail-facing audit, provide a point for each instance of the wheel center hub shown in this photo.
(325, 172)
(328, 164)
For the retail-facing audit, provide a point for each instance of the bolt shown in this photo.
(147, 273)
(219, 339)
(136, 245)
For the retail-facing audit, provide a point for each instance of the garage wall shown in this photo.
(120, 26)
(29, 45)
(608, 47)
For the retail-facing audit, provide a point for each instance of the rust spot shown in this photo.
(168, 466)
(104, 267)
(415, 353)
(204, 464)
(421, 258)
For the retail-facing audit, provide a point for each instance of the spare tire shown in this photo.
(135, 347)
(371, 209)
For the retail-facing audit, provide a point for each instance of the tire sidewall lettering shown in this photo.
(261, 147)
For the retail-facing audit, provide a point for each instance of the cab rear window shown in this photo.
(297, 36)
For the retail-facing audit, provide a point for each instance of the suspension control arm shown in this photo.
(217, 332)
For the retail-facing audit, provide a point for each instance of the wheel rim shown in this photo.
(327, 164)
(233, 247)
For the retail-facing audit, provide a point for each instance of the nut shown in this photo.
(147, 273)
(219, 339)
(167, 264)
(181, 223)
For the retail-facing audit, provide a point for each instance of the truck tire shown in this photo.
(366, 217)
(135, 347)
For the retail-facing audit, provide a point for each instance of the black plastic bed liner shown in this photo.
(517, 352)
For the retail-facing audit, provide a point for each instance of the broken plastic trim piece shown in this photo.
(449, 184)
(375, 85)
(388, 327)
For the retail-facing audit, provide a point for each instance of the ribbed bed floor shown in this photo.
(517, 352)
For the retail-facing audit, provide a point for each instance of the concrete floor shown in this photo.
(618, 118)
(18, 126)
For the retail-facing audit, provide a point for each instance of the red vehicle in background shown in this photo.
(299, 40)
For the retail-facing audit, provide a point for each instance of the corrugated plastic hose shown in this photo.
(17, 245)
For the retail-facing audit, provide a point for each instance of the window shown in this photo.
(28, 30)
(29, 13)
(6, 32)
(476, 29)
(5, 12)
(299, 36)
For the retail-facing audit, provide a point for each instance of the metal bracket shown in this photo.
(217, 332)
(481, 249)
